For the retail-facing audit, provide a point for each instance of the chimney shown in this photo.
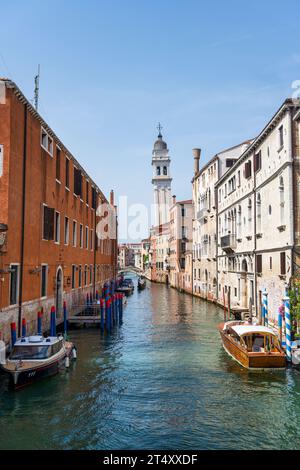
(112, 198)
(196, 153)
(173, 200)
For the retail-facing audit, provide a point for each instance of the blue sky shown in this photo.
(212, 72)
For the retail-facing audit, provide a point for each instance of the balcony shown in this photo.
(202, 214)
(228, 242)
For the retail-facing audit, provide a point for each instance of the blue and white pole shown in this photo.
(288, 329)
(265, 308)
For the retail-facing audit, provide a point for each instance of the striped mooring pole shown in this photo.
(39, 322)
(288, 331)
(280, 326)
(265, 308)
(53, 322)
(23, 327)
(13, 332)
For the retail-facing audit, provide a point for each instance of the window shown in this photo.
(81, 236)
(257, 162)
(44, 278)
(249, 214)
(91, 274)
(46, 141)
(85, 274)
(281, 195)
(94, 194)
(91, 239)
(14, 284)
(48, 223)
(270, 210)
(79, 276)
(239, 178)
(73, 276)
(280, 136)
(165, 170)
(282, 263)
(66, 230)
(258, 213)
(270, 262)
(87, 193)
(247, 169)
(158, 170)
(259, 264)
(182, 212)
(57, 227)
(67, 173)
(44, 138)
(74, 238)
(77, 182)
(86, 238)
(58, 155)
(230, 162)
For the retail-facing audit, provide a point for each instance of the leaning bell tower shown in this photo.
(161, 180)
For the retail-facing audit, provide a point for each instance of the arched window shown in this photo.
(249, 214)
(165, 170)
(239, 222)
(258, 213)
(281, 195)
(158, 170)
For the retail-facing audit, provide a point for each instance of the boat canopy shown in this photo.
(251, 329)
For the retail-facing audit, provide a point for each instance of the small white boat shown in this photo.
(36, 357)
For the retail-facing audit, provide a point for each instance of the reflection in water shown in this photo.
(162, 380)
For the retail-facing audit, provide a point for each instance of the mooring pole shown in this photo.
(23, 327)
(39, 323)
(288, 328)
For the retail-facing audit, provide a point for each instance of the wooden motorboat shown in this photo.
(141, 284)
(252, 346)
(35, 357)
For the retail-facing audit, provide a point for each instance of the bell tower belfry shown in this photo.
(161, 180)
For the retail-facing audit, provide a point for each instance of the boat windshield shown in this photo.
(257, 342)
(30, 352)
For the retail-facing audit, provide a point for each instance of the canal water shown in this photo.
(163, 381)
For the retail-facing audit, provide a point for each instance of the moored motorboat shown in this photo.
(36, 357)
(141, 284)
(252, 346)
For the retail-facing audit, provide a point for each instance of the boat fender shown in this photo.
(74, 353)
(67, 362)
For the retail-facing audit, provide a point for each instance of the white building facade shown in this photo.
(205, 220)
(258, 217)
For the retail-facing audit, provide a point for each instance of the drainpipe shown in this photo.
(22, 221)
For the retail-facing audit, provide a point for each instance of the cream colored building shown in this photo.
(205, 221)
(181, 239)
(258, 216)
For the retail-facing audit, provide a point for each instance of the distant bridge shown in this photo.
(130, 269)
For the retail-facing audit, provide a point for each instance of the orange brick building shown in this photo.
(50, 216)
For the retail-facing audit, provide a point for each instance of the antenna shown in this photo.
(37, 88)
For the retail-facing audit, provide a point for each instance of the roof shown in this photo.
(216, 157)
(287, 104)
(187, 201)
(244, 329)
